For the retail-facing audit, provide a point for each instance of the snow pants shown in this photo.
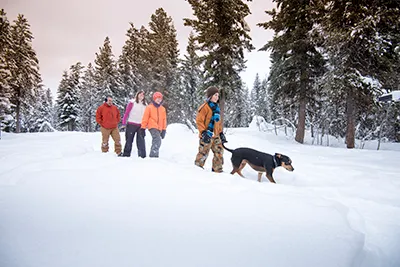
(114, 132)
(216, 146)
(156, 143)
(130, 132)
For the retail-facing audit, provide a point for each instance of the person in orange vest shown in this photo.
(208, 122)
(155, 120)
(108, 116)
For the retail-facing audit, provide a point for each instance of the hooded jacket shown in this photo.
(108, 116)
(204, 114)
(154, 117)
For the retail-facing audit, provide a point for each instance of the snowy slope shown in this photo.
(64, 203)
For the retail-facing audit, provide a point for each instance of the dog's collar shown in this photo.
(275, 163)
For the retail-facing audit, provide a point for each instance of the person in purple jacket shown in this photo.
(132, 120)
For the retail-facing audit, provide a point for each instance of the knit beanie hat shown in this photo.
(157, 95)
(211, 91)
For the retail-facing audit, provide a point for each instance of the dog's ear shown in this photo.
(278, 155)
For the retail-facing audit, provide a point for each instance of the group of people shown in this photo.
(140, 116)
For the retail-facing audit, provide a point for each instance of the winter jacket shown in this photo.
(108, 116)
(204, 114)
(154, 117)
(134, 113)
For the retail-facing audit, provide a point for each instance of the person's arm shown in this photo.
(145, 119)
(127, 111)
(200, 119)
(118, 114)
(165, 120)
(99, 116)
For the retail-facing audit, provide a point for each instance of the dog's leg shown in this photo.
(269, 175)
(259, 176)
(239, 171)
(234, 170)
(270, 178)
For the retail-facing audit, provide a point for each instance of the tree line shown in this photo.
(330, 60)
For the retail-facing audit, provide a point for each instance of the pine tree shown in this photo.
(88, 101)
(257, 97)
(222, 35)
(42, 117)
(60, 102)
(28, 110)
(128, 63)
(360, 39)
(238, 110)
(163, 57)
(5, 46)
(75, 84)
(265, 101)
(106, 74)
(392, 129)
(247, 115)
(24, 68)
(125, 76)
(68, 102)
(328, 112)
(279, 102)
(143, 61)
(178, 105)
(296, 52)
(260, 100)
(48, 108)
(191, 73)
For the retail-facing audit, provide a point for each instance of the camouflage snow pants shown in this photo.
(216, 146)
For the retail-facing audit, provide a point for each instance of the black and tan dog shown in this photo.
(259, 161)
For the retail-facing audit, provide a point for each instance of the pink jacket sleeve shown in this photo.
(127, 111)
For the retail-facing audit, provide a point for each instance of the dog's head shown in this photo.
(286, 162)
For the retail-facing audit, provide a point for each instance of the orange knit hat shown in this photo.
(157, 95)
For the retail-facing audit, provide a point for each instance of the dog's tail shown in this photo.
(230, 150)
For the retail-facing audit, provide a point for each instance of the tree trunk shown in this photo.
(18, 115)
(312, 130)
(351, 129)
(302, 121)
(90, 124)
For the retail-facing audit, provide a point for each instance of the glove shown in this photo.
(163, 132)
(223, 138)
(142, 132)
(216, 117)
(206, 136)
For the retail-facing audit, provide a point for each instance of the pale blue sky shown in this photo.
(70, 31)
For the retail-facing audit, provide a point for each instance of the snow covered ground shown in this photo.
(64, 203)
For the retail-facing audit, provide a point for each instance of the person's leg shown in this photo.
(156, 143)
(202, 155)
(141, 144)
(105, 136)
(218, 150)
(129, 136)
(117, 140)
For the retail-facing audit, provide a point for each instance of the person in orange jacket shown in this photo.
(208, 122)
(108, 116)
(155, 120)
